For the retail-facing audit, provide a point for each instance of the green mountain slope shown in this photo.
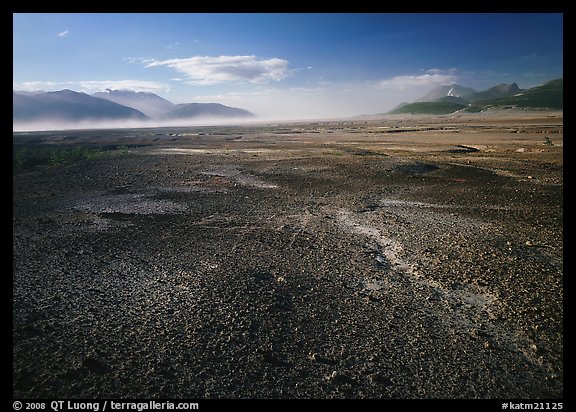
(429, 108)
(549, 95)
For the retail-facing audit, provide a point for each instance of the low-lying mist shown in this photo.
(54, 124)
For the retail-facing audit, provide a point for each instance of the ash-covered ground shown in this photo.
(396, 258)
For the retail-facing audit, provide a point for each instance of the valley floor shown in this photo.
(408, 257)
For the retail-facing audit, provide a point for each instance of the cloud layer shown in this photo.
(92, 86)
(431, 78)
(210, 70)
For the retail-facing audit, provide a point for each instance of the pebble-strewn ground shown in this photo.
(405, 258)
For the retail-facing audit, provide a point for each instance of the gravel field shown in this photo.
(407, 257)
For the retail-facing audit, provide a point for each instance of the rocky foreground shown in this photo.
(406, 258)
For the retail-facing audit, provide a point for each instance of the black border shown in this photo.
(366, 6)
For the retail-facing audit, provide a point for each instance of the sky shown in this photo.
(286, 66)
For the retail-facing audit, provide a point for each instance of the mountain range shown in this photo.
(192, 110)
(453, 98)
(71, 106)
(67, 105)
(121, 105)
(150, 104)
(454, 90)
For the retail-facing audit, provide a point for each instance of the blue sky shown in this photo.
(286, 65)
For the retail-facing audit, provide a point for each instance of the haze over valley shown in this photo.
(112, 108)
(125, 108)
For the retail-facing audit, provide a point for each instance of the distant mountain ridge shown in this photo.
(158, 108)
(495, 92)
(548, 95)
(71, 106)
(150, 104)
(452, 98)
(192, 110)
(453, 90)
(467, 94)
(68, 105)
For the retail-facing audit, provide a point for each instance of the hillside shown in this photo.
(495, 92)
(453, 90)
(549, 95)
(429, 108)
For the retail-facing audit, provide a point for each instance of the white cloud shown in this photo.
(433, 77)
(92, 86)
(134, 85)
(133, 60)
(64, 33)
(209, 70)
(34, 86)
